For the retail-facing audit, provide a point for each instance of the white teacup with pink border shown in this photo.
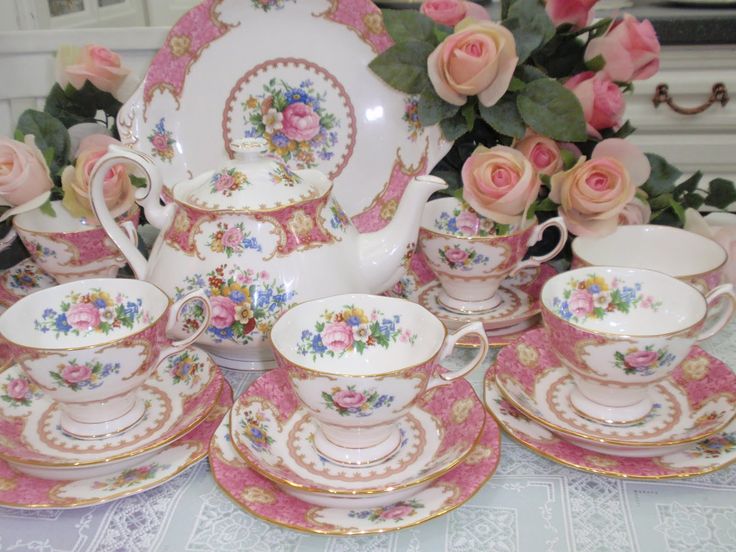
(621, 330)
(91, 344)
(359, 362)
(470, 260)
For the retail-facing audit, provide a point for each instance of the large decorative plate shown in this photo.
(296, 73)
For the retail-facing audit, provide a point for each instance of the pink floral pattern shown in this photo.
(76, 376)
(394, 512)
(268, 5)
(463, 221)
(349, 402)
(256, 431)
(228, 181)
(411, 118)
(461, 258)
(232, 239)
(162, 142)
(131, 477)
(18, 390)
(186, 368)
(643, 362)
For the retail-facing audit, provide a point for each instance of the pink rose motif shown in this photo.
(456, 255)
(232, 237)
(160, 142)
(223, 311)
(18, 389)
(83, 316)
(224, 182)
(576, 12)
(451, 12)
(399, 511)
(75, 373)
(641, 359)
(602, 100)
(468, 223)
(348, 399)
(630, 50)
(581, 303)
(337, 336)
(300, 122)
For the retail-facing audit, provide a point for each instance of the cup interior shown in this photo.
(449, 216)
(664, 248)
(83, 313)
(39, 222)
(623, 301)
(357, 335)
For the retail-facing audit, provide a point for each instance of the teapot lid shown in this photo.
(254, 181)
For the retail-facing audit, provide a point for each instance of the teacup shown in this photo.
(621, 330)
(685, 255)
(90, 345)
(359, 362)
(71, 248)
(470, 260)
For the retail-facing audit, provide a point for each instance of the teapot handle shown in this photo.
(148, 198)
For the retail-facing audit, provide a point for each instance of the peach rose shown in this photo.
(232, 237)
(635, 211)
(18, 389)
(581, 303)
(337, 336)
(594, 192)
(223, 312)
(499, 183)
(451, 12)
(543, 152)
(300, 122)
(348, 399)
(23, 171)
(75, 180)
(576, 12)
(630, 49)
(96, 64)
(720, 227)
(602, 101)
(641, 359)
(479, 58)
(75, 373)
(83, 316)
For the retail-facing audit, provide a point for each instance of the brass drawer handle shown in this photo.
(718, 94)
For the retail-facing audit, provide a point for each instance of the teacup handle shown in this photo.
(176, 308)
(535, 237)
(441, 378)
(721, 318)
(8, 239)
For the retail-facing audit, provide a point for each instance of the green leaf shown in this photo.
(688, 186)
(50, 134)
(468, 113)
(404, 66)
(48, 209)
(595, 64)
(552, 110)
(504, 117)
(568, 159)
(528, 73)
(661, 201)
(529, 23)
(454, 127)
(137, 181)
(546, 204)
(18, 135)
(626, 130)
(432, 109)
(48, 156)
(662, 178)
(693, 201)
(72, 106)
(516, 84)
(505, 5)
(678, 209)
(721, 193)
(405, 25)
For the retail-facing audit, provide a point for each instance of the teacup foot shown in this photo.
(99, 430)
(459, 306)
(612, 415)
(354, 457)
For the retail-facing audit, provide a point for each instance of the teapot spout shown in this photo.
(383, 253)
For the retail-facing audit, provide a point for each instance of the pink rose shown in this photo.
(720, 227)
(456, 255)
(478, 59)
(630, 49)
(337, 336)
(468, 223)
(160, 142)
(23, 171)
(83, 316)
(594, 192)
(641, 359)
(499, 183)
(544, 153)
(232, 237)
(451, 12)
(576, 12)
(635, 211)
(348, 399)
(580, 303)
(224, 182)
(74, 373)
(223, 311)
(300, 122)
(96, 64)
(75, 180)
(399, 511)
(18, 389)
(602, 101)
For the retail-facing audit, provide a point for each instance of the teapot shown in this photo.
(258, 238)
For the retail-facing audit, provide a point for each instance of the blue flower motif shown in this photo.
(48, 313)
(257, 433)
(295, 95)
(252, 243)
(306, 334)
(628, 294)
(61, 324)
(237, 296)
(222, 333)
(279, 140)
(317, 344)
(565, 311)
(595, 288)
(307, 83)
(452, 225)
(353, 321)
(325, 155)
(131, 309)
(387, 326)
(100, 303)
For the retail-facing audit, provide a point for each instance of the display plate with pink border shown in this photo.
(295, 73)
(23, 491)
(20, 280)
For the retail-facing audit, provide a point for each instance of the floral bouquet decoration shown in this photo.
(534, 104)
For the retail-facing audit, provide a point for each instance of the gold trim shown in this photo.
(134, 210)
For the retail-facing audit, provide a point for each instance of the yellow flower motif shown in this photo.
(179, 45)
(243, 312)
(477, 455)
(527, 355)
(300, 223)
(388, 210)
(374, 23)
(357, 313)
(181, 222)
(461, 410)
(7, 484)
(257, 495)
(596, 281)
(695, 369)
(251, 102)
(263, 327)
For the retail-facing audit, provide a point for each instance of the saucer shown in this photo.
(274, 434)
(710, 454)
(698, 399)
(178, 395)
(265, 500)
(19, 490)
(20, 280)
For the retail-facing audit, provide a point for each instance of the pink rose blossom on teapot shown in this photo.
(24, 174)
(451, 12)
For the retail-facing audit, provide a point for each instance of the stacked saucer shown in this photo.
(313, 450)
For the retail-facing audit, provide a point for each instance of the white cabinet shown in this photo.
(167, 12)
(57, 14)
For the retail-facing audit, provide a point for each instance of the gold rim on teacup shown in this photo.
(529, 223)
(86, 227)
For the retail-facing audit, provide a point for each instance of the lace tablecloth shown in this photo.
(529, 504)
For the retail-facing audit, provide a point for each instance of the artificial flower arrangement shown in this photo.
(534, 105)
(53, 151)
